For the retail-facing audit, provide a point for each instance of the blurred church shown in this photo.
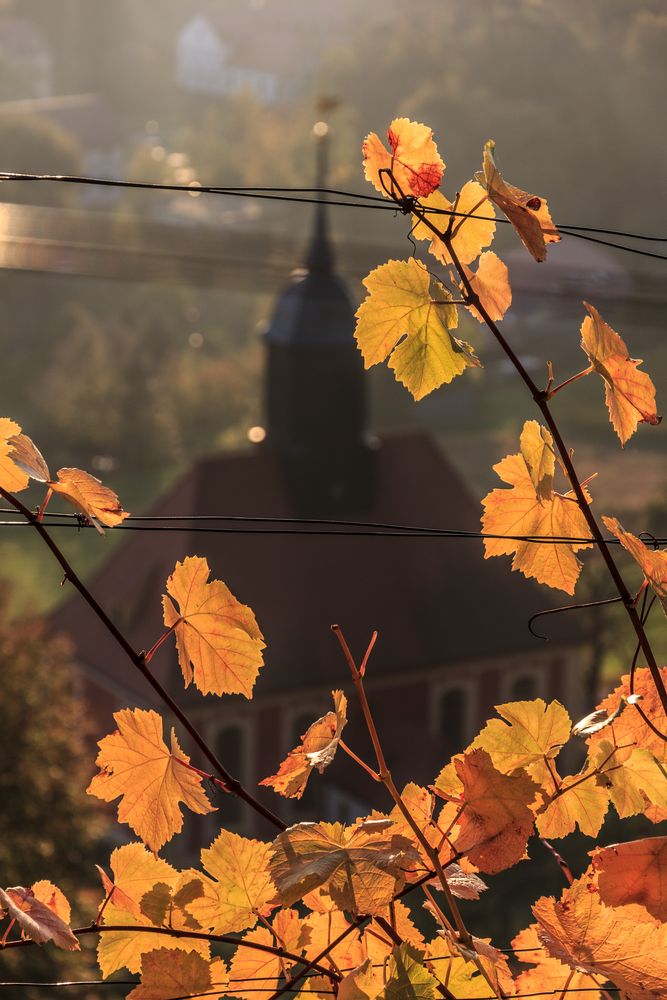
(453, 636)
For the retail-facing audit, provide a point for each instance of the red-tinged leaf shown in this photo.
(653, 563)
(528, 213)
(490, 282)
(497, 821)
(218, 640)
(38, 920)
(317, 749)
(136, 764)
(412, 157)
(629, 393)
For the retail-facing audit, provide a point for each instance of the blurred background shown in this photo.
(132, 322)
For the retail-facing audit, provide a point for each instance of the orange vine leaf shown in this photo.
(629, 393)
(404, 320)
(634, 872)
(521, 510)
(549, 975)
(496, 823)
(12, 477)
(168, 973)
(136, 764)
(469, 235)
(528, 213)
(490, 282)
(91, 497)
(412, 158)
(218, 640)
(317, 749)
(653, 563)
(607, 941)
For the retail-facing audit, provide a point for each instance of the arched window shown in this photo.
(231, 751)
(523, 688)
(452, 721)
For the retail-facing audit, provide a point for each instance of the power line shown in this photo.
(304, 196)
(302, 526)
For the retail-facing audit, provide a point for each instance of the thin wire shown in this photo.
(295, 195)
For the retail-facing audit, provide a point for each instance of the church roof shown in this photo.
(436, 602)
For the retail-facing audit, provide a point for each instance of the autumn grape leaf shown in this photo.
(496, 822)
(38, 920)
(361, 866)
(607, 941)
(99, 503)
(136, 764)
(12, 477)
(317, 749)
(634, 872)
(531, 731)
(635, 779)
(240, 887)
(53, 897)
(629, 393)
(462, 978)
(549, 976)
(407, 976)
(29, 458)
(166, 973)
(254, 974)
(218, 640)
(579, 800)
(528, 213)
(490, 282)
(402, 320)
(469, 234)
(520, 511)
(377, 941)
(412, 158)
(136, 872)
(325, 928)
(653, 563)
(629, 728)
(362, 983)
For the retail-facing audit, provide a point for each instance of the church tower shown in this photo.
(315, 384)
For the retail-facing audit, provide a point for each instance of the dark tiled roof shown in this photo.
(435, 602)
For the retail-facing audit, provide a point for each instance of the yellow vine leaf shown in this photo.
(317, 749)
(218, 640)
(579, 801)
(497, 821)
(12, 476)
(528, 213)
(167, 973)
(99, 503)
(636, 780)
(629, 393)
(653, 563)
(469, 236)
(401, 320)
(407, 976)
(521, 511)
(363, 983)
(254, 974)
(629, 727)
(634, 873)
(136, 873)
(491, 284)
(462, 978)
(549, 976)
(378, 943)
(39, 920)
(362, 866)
(53, 897)
(240, 887)
(604, 940)
(136, 764)
(324, 928)
(412, 158)
(531, 731)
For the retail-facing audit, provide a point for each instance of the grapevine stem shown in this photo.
(138, 661)
(369, 770)
(550, 393)
(541, 400)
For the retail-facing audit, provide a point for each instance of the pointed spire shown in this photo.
(320, 258)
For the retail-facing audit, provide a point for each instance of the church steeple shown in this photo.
(315, 386)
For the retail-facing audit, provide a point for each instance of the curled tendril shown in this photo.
(567, 607)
